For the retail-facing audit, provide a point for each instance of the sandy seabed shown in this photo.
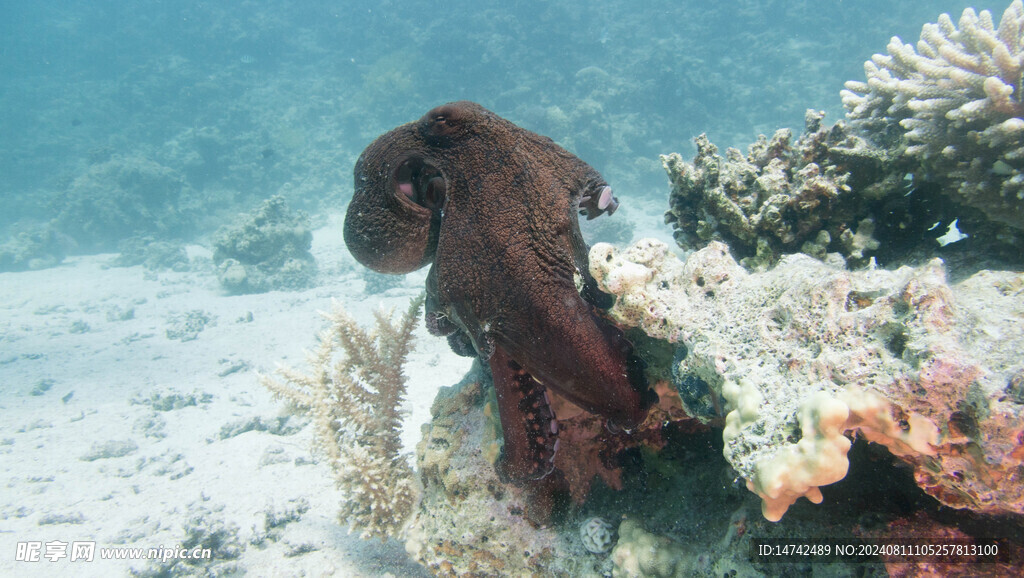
(122, 426)
(114, 432)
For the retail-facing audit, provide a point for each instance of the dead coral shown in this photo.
(806, 353)
(353, 392)
(779, 197)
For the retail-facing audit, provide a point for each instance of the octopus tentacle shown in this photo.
(528, 424)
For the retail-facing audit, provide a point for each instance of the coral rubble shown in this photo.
(267, 250)
(801, 356)
(354, 393)
(954, 107)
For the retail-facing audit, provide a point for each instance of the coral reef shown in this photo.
(152, 253)
(468, 521)
(471, 521)
(35, 248)
(912, 528)
(831, 192)
(953, 106)
(354, 393)
(782, 197)
(267, 250)
(801, 356)
(641, 553)
(932, 142)
(682, 512)
(123, 197)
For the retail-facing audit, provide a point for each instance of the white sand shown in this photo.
(149, 497)
(190, 477)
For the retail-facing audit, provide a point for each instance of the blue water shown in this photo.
(309, 84)
(166, 119)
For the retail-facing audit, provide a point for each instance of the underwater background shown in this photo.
(241, 101)
(173, 179)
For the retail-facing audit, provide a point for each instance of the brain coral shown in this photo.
(953, 105)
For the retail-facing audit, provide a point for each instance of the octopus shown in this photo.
(493, 209)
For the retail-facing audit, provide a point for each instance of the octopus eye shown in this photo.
(444, 125)
(418, 181)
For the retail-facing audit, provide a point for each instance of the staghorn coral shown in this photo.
(782, 197)
(954, 106)
(804, 354)
(353, 393)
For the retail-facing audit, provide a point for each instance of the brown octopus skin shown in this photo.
(494, 207)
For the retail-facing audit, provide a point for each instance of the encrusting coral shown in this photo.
(800, 356)
(353, 393)
(954, 106)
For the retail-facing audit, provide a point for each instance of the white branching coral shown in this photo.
(353, 392)
(957, 103)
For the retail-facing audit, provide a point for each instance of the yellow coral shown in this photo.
(819, 458)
